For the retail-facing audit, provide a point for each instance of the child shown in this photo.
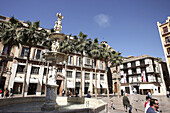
(112, 105)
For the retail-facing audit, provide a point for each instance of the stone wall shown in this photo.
(18, 100)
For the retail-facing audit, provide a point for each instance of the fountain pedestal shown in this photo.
(50, 103)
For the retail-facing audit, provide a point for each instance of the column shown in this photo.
(13, 73)
(83, 82)
(27, 79)
(40, 80)
(91, 82)
(74, 79)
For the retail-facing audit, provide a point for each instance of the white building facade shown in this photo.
(140, 74)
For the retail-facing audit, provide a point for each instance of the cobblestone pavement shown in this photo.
(137, 102)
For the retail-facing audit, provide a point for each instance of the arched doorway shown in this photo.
(115, 87)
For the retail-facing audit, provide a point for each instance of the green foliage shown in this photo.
(32, 35)
(116, 59)
(9, 33)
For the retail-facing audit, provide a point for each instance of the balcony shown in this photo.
(168, 54)
(166, 44)
(166, 33)
(3, 56)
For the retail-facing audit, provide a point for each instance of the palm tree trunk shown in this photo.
(4, 64)
(2, 71)
(95, 83)
(66, 76)
(81, 75)
(47, 77)
(107, 79)
(118, 82)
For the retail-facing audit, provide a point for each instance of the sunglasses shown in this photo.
(157, 103)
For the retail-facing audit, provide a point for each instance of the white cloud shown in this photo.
(102, 20)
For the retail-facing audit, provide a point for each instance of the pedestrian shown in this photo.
(6, 93)
(63, 92)
(168, 94)
(0, 93)
(88, 95)
(76, 93)
(147, 103)
(11, 92)
(126, 103)
(71, 93)
(68, 94)
(122, 92)
(149, 94)
(154, 106)
(112, 104)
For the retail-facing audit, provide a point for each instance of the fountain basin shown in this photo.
(34, 104)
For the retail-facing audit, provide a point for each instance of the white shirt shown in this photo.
(147, 106)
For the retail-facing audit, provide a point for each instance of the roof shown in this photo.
(133, 58)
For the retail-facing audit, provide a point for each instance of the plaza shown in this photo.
(137, 102)
(79, 59)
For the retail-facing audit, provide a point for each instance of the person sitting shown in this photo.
(112, 105)
(6, 93)
(88, 95)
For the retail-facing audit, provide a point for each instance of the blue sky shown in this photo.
(129, 26)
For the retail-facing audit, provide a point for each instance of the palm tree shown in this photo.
(67, 47)
(94, 52)
(116, 60)
(82, 45)
(31, 36)
(8, 37)
(106, 56)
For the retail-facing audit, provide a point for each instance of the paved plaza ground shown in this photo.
(137, 101)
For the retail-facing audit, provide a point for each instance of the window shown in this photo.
(168, 50)
(78, 74)
(2, 18)
(59, 70)
(24, 52)
(78, 61)
(20, 68)
(101, 65)
(38, 54)
(167, 39)
(165, 29)
(70, 60)
(45, 71)
(69, 74)
(35, 70)
(87, 76)
(88, 61)
(101, 77)
(93, 76)
(5, 50)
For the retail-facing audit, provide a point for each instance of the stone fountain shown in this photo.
(55, 57)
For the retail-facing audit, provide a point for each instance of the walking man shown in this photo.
(126, 103)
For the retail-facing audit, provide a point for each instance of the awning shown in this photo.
(98, 84)
(70, 84)
(104, 85)
(146, 86)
